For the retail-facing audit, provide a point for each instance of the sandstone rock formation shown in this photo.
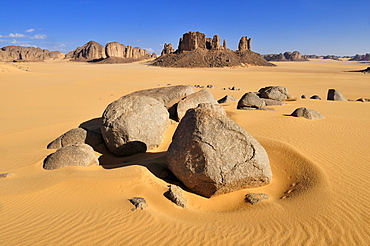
(134, 124)
(245, 43)
(113, 52)
(279, 93)
(227, 99)
(167, 49)
(251, 100)
(335, 95)
(358, 57)
(287, 56)
(307, 113)
(88, 52)
(71, 155)
(77, 136)
(195, 50)
(20, 53)
(193, 100)
(213, 155)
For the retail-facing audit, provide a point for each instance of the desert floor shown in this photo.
(321, 169)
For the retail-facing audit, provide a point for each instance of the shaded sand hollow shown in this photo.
(319, 194)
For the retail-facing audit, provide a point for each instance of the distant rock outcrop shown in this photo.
(113, 52)
(287, 56)
(167, 49)
(20, 53)
(358, 57)
(195, 50)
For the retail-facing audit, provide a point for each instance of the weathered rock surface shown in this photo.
(335, 95)
(20, 53)
(358, 57)
(278, 93)
(176, 195)
(134, 124)
(88, 52)
(167, 49)
(195, 50)
(307, 113)
(287, 56)
(193, 100)
(213, 155)
(254, 198)
(5, 175)
(77, 136)
(251, 100)
(271, 102)
(168, 95)
(71, 155)
(227, 99)
(138, 202)
(115, 49)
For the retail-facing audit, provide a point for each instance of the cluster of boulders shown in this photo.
(287, 56)
(196, 50)
(113, 52)
(210, 154)
(30, 54)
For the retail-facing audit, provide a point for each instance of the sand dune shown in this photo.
(319, 192)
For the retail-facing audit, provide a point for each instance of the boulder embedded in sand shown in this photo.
(168, 95)
(138, 202)
(307, 113)
(134, 124)
(71, 155)
(213, 155)
(335, 95)
(316, 97)
(193, 100)
(279, 93)
(227, 99)
(75, 136)
(271, 102)
(251, 100)
(254, 198)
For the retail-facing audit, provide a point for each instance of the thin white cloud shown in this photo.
(15, 35)
(39, 36)
(30, 30)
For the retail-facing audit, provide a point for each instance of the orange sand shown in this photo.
(319, 194)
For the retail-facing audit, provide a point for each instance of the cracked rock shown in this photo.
(213, 155)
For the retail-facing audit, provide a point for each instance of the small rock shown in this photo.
(211, 86)
(234, 88)
(307, 113)
(335, 95)
(254, 198)
(303, 96)
(315, 97)
(176, 195)
(228, 98)
(251, 100)
(363, 100)
(5, 175)
(138, 202)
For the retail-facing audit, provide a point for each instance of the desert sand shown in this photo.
(321, 174)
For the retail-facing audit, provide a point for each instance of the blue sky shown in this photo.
(312, 27)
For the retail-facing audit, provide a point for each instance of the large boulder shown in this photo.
(335, 95)
(168, 95)
(307, 113)
(251, 100)
(213, 155)
(71, 155)
(77, 136)
(134, 124)
(279, 93)
(193, 100)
